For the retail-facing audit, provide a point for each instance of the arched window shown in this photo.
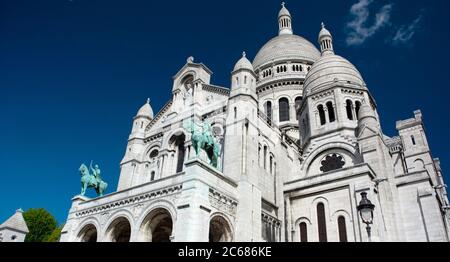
(321, 114)
(321, 222)
(357, 107)
(268, 110)
(303, 232)
(331, 114)
(259, 155)
(348, 107)
(342, 229)
(265, 157)
(245, 80)
(298, 101)
(178, 145)
(283, 109)
(413, 140)
(235, 112)
(152, 176)
(271, 164)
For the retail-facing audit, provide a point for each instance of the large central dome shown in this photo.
(286, 47)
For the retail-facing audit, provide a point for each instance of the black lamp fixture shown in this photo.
(365, 209)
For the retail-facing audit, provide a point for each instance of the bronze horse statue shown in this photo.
(92, 180)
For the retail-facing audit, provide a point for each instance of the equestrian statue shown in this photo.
(203, 139)
(93, 180)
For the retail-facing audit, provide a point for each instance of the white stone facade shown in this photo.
(300, 141)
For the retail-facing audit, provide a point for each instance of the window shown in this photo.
(259, 155)
(342, 229)
(152, 176)
(321, 222)
(298, 101)
(331, 114)
(268, 110)
(357, 107)
(321, 114)
(265, 158)
(284, 109)
(413, 140)
(235, 112)
(348, 107)
(245, 80)
(303, 232)
(237, 81)
(271, 164)
(332, 162)
(154, 153)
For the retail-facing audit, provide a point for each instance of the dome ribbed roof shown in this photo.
(331, 68)
(284, 11)
(286, 47)
(146, 110)
(243, 63)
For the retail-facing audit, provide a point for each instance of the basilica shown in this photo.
(301, 158)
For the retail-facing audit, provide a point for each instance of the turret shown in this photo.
(143, 117)
(284, 21)
(243, 78)
(325, 41)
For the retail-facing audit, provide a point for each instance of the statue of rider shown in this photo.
(96, 172)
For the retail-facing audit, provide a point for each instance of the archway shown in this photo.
(88, 234)
(219, 230)
(157, 226)
(119, 230)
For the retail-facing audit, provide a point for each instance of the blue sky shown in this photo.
(73, 73)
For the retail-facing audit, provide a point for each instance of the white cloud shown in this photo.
(358, 31)
(406, 32)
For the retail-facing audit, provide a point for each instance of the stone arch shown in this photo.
(88, 221)
(297, 230)
(315, 218)
(119, 230)
(348, 223)
(176, 132)
(343, 146)
(220, 229)
(88, 233)
(157, 226)
(118, 216)
(419, 165)
(185, 76)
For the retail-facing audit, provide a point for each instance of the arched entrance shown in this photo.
(219, 230)
(119, 230)
(157, 226)
(88, 234)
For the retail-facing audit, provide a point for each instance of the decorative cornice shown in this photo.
(269, 219)
(216, 89)
(131, 200)
(153, 138)
(222, 202)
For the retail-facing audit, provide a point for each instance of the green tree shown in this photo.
(55, 235)
(40, 223)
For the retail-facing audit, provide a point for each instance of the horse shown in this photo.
(90, 181)
(204, 140)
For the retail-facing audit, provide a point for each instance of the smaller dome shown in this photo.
(329, 69)
(283, 11)
(243, 63)
(146, 110)
(324, 32)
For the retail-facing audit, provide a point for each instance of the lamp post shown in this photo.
(365, 209)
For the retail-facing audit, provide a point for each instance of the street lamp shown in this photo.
(365, 209)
